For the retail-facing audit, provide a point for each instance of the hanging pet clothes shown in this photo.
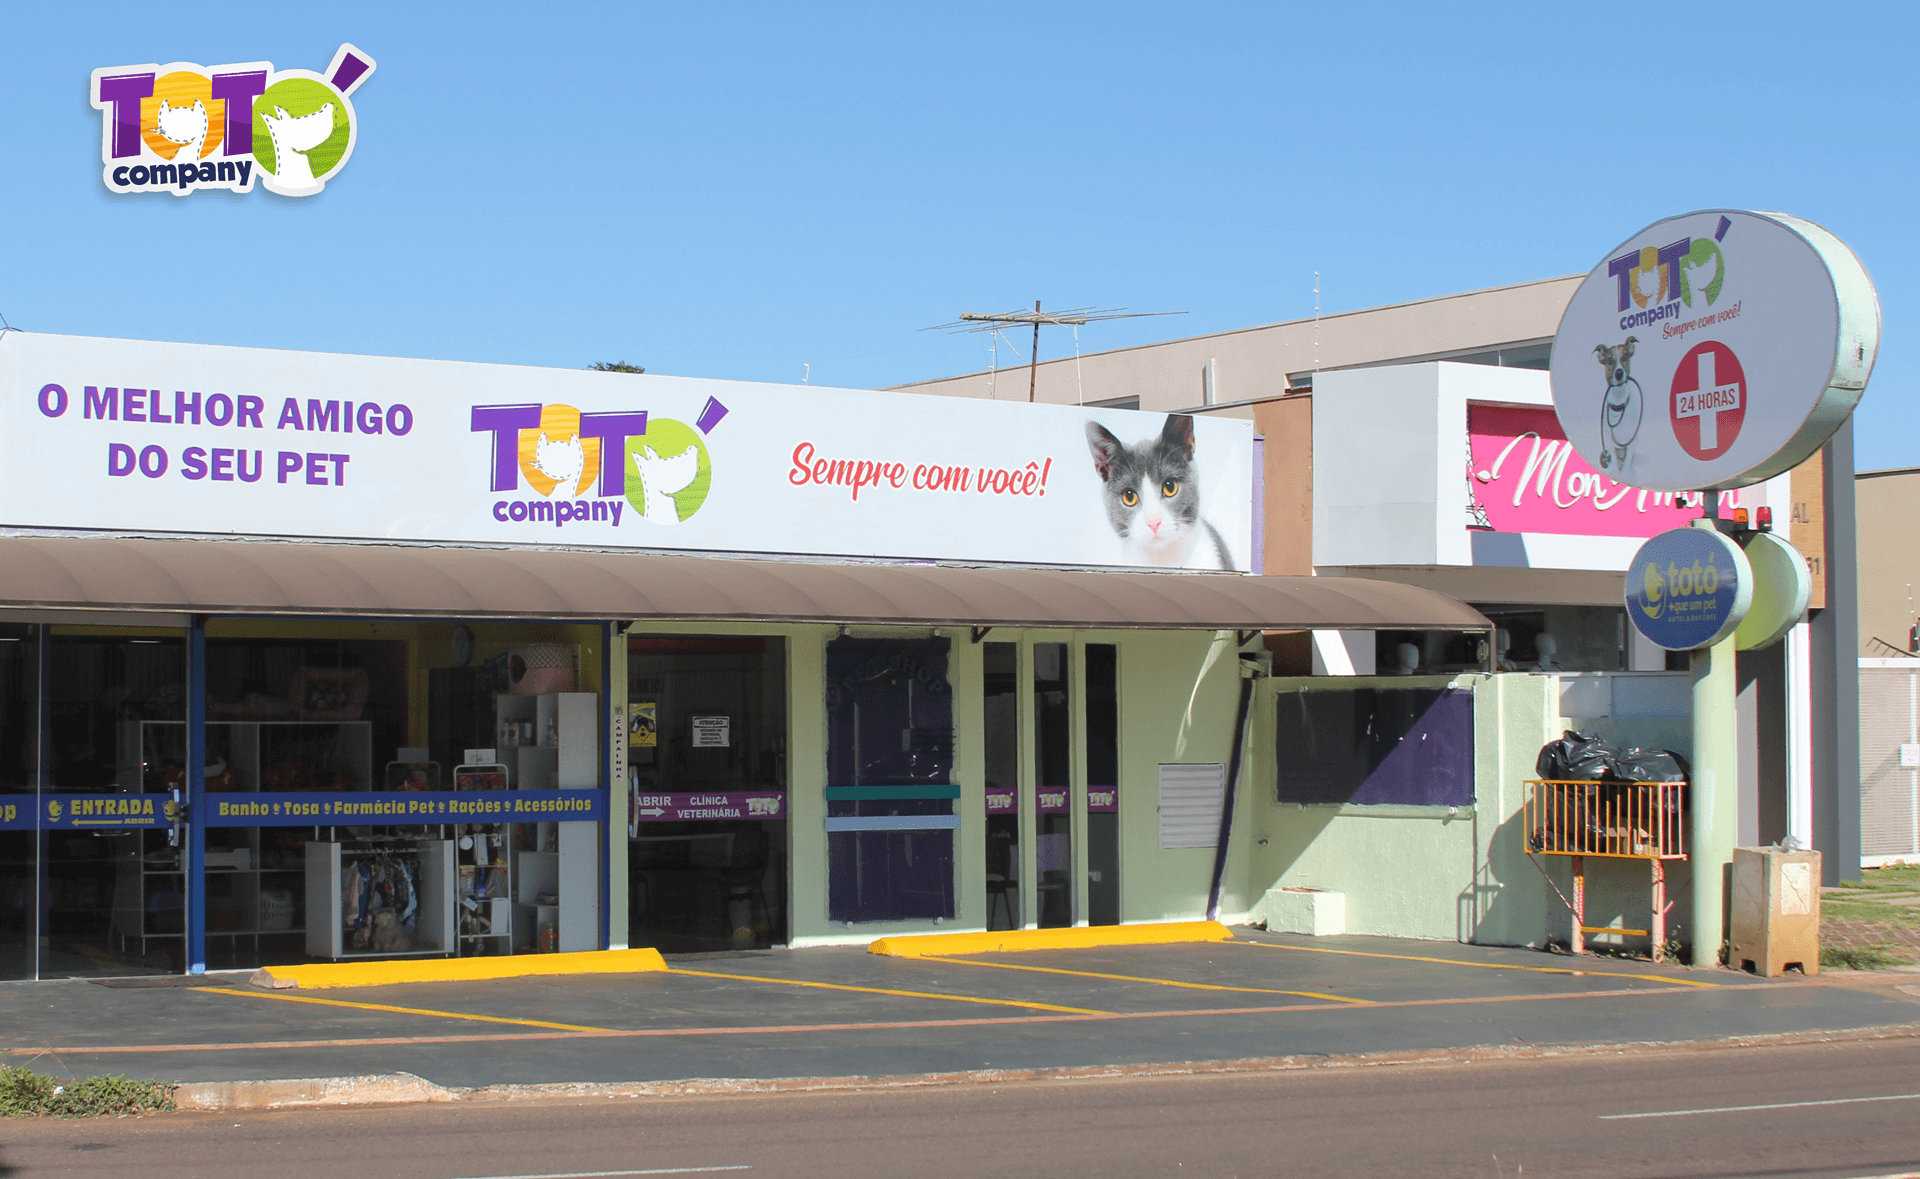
(380, 903)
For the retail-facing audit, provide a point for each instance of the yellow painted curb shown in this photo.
(947, 945)
(327, 975)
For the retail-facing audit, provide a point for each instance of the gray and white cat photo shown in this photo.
(1152, 495)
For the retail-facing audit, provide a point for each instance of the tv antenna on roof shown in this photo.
(970, 321)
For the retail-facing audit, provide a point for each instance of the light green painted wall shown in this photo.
(1157, 676)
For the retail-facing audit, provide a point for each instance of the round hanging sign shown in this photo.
(1781, 589)
(1688, 588)
(1714, 350)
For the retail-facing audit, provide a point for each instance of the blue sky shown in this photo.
(740, 191)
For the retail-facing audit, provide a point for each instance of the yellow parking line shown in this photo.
(1659, 978)
(794, 982)
(531, 1023)
(1159, 982)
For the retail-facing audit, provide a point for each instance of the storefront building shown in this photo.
(518, 660)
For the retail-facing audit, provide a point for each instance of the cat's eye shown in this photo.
(1129, 497)
(1170, 488)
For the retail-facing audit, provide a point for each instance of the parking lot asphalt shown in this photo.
(842, 1012)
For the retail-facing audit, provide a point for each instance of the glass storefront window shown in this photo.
(19, 777)
(1053, 781)
(306, 712)
(1001, 699)
(112, 899)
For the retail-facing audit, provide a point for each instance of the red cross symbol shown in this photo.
(1709, 401)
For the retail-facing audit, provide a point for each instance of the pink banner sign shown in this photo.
(1103, 799)
(1002, 802)
(1053, 800)
(1526, 477)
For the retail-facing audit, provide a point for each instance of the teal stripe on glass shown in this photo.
(888, 793)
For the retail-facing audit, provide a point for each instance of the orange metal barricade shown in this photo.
(1611, 820)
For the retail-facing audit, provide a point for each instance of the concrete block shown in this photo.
(1316, 911)
(1775, 915)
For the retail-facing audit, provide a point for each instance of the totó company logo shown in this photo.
(660, 466)
(183, 127)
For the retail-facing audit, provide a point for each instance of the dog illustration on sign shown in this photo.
(1622, 408)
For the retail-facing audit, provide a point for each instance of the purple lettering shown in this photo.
(400, 420)
(133, 405)
(257, 465)
(119, 459)
(316, 469)
(239, 91)
(219, 409)
(1670, 264)
(613, 430)
(250, 407)
(193, 464)
(153, 410)
(289, 463)
(322, 416)
(368, 418)
(504, 422)
(290, 415)
(183, 404)
(1620, 268)
(153, 461)
(57, 405)
(222, 464)
(105, 406)
(339, 462)
(125, 91)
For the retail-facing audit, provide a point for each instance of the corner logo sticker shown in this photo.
(182, 127)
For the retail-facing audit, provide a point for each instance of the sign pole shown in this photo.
(1713, 812)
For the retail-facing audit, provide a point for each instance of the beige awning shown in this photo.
(267, 577)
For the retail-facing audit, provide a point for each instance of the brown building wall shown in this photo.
(1888, 503)
(1288, 428)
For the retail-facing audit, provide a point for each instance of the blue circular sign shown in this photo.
(1688, 588)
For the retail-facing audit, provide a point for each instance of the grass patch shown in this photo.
(1896, 878)
(26, 1094)
(1854, 958)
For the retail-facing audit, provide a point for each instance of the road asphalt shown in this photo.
(841, 1012)
(1847, 1108)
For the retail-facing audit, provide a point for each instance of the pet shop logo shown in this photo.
(588, 467)
(182, 127)
(1659, 279)
(1660, 589)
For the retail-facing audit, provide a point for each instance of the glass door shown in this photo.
(1001, 692)
(1053, 785)
(707, 791)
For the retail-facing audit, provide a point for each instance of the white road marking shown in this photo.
(611, 1174)
(1680, 1113)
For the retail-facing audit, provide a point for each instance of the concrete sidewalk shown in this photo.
(842, 1012)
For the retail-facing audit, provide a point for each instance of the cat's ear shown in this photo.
(1178, 433)
(1105, 448)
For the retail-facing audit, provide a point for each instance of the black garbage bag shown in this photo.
(1576, 757)
(1649, 765)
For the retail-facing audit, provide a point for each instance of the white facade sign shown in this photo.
(1714, 350)
(176, 438)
